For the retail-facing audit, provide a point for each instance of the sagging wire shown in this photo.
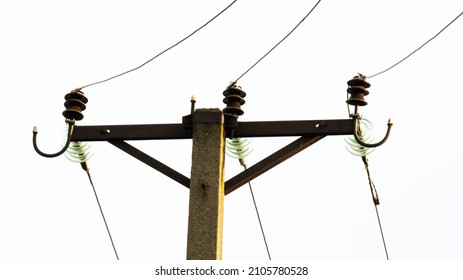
(425, 43)
(284, 38)
(162, 52)
(240, 148)
(80, 152)
(374, 195)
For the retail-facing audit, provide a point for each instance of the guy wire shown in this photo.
(164, 51)
(258, 218)
(85, 167)
(284, 38)
(374, 195)
(432, 38)
(382, 234)
(238, 148)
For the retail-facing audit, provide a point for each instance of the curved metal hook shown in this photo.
(368, 145)
(66, 146)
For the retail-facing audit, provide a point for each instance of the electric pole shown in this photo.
(208, 129)
(205, 220)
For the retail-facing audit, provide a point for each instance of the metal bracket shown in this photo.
(310, 131)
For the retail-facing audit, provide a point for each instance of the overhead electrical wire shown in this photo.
(258, 218)
(239, 148)
(162, 52)
(284, 38)
(87, 170)
(410, 54)
(375, 198)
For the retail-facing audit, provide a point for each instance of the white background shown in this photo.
(315, 206)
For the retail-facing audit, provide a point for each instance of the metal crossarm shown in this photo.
(183, 131)
(310, 131)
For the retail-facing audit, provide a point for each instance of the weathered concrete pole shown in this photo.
(205, 221)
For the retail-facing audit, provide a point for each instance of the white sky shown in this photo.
(315, 206)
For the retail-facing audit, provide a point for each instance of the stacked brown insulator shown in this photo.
(234, 98)
(357, 90)
(75, 104)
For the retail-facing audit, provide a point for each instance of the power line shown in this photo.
(164, 51)
(432, 38)
(382, 233)
(258, 218)
(85, 167)
(239, 148)
(284, 38)
(374, 195)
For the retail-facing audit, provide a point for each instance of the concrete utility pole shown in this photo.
(205, 221)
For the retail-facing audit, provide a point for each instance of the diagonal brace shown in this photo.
(270, 162)
(159, 166)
